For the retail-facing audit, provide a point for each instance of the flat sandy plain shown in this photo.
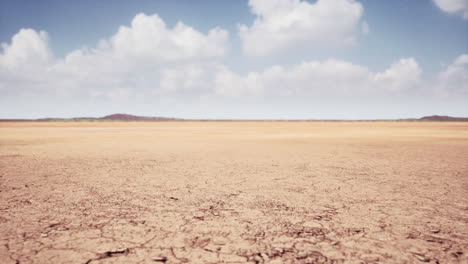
(234, 192)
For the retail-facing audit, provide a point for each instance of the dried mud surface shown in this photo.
(234, 192)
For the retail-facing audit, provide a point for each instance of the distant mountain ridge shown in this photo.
(127, 117)
(134, 118)
(113, 117)
(443, 118)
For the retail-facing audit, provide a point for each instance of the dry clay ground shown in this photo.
(234, 192)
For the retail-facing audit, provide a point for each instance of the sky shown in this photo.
(256, 59)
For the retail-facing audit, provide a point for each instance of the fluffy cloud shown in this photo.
(282, 24)
(115, 70)
(321, 79)
(28, 48)
(403, 75)
(454, 80)
(148, 45)
(137, 59)
(165, 67)
(459, 7)
(149, 38)
(25, 62)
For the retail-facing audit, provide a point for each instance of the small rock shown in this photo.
(54, 224)
(215, 213)
(422, 258)
(160, 259)
(201, 243)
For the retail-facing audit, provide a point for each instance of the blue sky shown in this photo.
(320, 63)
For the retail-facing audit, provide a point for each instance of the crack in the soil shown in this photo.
(109, 254)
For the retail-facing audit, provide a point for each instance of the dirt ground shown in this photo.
(234, 192)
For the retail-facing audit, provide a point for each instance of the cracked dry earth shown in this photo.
(234, 192)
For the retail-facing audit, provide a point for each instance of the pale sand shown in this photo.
(234, 192)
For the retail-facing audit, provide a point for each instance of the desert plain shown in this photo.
(233, 192)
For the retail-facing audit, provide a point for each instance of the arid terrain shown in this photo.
(233, 192)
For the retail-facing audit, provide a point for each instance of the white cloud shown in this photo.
(25, 62)
(282, 24)
(115, 70)
(136, 59)
(228, 83)
(148, 45)
(28, 49)
(454, 80)
(459, 7)
(328, 78)
(189, 79)
(403, 75)
(149, 38)
(149, 62)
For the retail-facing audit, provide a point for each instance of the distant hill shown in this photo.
(113, 117)
(443, 118)
(126, 117)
